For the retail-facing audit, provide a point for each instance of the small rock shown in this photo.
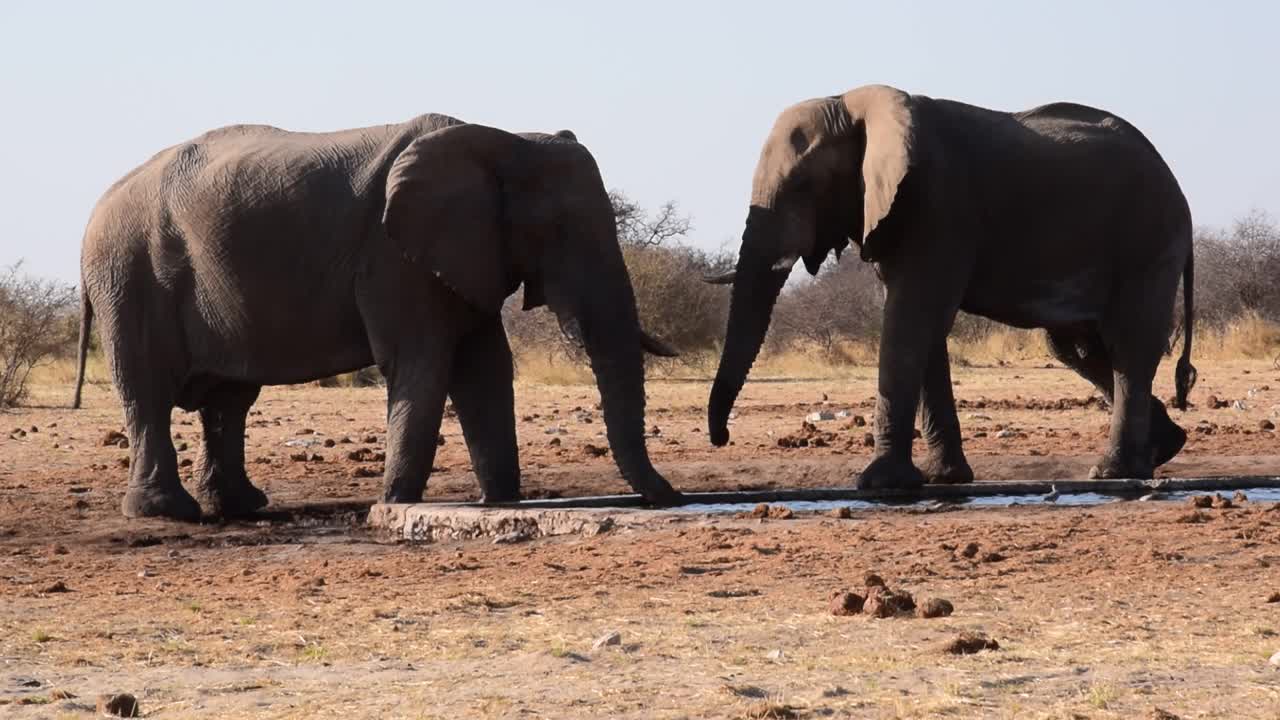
(145, 573)
(1274, 597)
(59, 550)
(1239, 497)
(594, 450)
(1200, 501)
(607, 640)
(760, 511)
(366, 471)
(370, 439)
(1158, 714)
(1194, 517)
(992, 557)
(1220, 502)
(774, 655)
(845, 603)
(316, 458)
(1275, 659)
(122, 705)
(1266, 425)
(185, 462)
(970, 550)
(122, 462)
(980, 434)
(979, 416)
(969, 643)
(872, 580)
(306, 431)
(330, 442)
(859, 421)
(60, 694)
(298, 457)
(114, 437)
(935, 608)
(841, 513)
(820, 416)
(869, 440)
(1006, 433)
(57, 587)
(781, 512)
(554, 442)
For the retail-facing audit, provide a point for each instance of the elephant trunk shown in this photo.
(612, 337)
(756, 286)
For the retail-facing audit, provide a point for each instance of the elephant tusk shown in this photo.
(655, 346)
(724, 278)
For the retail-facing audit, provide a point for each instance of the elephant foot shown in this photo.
(887, 473)
(1113, 468)
(174, 503)
(504, 495)
(231, 499)
(662, 497)
(1167, 440)
(939, 471)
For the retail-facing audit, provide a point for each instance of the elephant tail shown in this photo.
(1184, 376)
(82, 350)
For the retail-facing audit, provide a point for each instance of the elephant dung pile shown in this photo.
(882, 602)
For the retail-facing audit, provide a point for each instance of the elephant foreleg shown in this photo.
(417, 384)
(940, 426)
(481, 388)
(223, 486)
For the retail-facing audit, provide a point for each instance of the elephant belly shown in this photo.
(1038, 302)
(277, 341)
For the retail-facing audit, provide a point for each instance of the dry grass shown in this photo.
(1248, 338)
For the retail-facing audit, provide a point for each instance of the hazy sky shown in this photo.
(673, 98)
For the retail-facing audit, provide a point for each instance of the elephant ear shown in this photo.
(885, 113)
(444, 209)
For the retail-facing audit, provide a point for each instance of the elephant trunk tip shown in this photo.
(719, 435)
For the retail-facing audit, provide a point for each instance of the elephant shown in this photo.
(254, 256)
(1062, 217)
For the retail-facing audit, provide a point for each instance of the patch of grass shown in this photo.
(1102, 695)
(771, 709)
(314, 652)
(40, 636)
(246, 621)
(194, 606)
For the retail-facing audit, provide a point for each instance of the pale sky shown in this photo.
(673, 98)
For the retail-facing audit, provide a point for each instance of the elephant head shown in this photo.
(828, 173)
(486, 210)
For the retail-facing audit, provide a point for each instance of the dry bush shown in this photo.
(37, 322)
(673, 302)
(836, 313)
(1237, 271)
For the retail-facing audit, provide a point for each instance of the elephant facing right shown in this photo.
(1062, 217)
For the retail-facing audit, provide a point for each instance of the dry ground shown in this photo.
(1105, 612)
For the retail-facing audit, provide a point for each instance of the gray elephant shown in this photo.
(253, 256)
(1062, 217)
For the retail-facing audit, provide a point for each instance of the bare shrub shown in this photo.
(666, 276)
(842, 306)
(1236, 271)
(35, 325)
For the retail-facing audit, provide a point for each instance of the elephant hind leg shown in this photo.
(148, 395)
(223, 487)
(1085, 352)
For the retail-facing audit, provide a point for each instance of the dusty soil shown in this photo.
(1101, 612)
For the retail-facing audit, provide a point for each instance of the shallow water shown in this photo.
(1075, 499)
